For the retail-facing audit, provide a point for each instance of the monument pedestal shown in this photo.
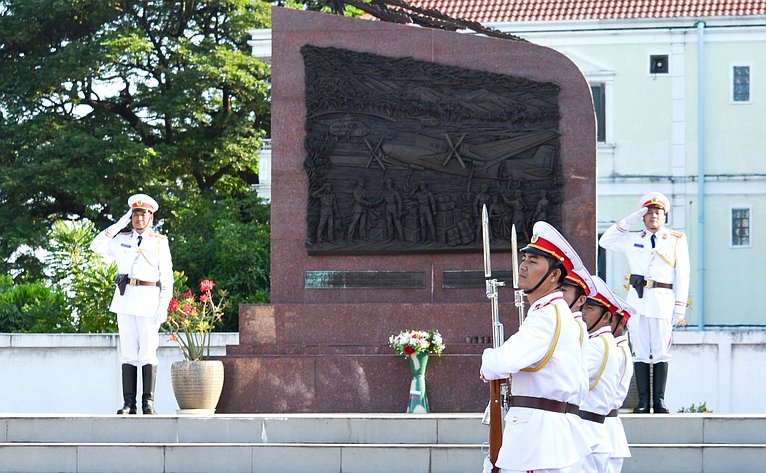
(336, 358)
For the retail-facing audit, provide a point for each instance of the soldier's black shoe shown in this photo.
(129, 381)
(659, 380)
(642, 383)
(148, 376)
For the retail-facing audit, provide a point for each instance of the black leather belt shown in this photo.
(612, 413)
(591, 416)
(138, 282)
(544, 404)
(663, 285)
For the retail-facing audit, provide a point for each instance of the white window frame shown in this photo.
(749, 209)
(607, 82)
(731, 84)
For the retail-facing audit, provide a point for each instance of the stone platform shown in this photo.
(348, 443)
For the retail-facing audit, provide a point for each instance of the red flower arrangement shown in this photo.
(191, 320)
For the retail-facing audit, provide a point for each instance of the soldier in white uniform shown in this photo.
(613, 423)
(659, 280)
(141, 298)
(603, 367)
(542, 431)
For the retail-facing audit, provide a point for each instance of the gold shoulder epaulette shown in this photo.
(160, 235)
(677, 234)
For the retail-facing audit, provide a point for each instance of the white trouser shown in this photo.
(615, 465)
(487, 467)
(596, 463)
(139, 340)
(650, 339)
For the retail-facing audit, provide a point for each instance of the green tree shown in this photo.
(103, 98)
(32, 307)
(226, 240)
(86, 279)
(100, 99)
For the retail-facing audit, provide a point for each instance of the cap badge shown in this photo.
(534, 238)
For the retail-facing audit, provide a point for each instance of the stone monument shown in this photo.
(386, 139)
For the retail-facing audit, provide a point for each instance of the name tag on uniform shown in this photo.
(125, 245)
(638, 245)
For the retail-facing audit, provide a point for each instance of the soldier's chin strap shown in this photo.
(552, 269)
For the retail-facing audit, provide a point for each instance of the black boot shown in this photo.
(659, 378)
(129, 375)
(642, 383)
(148, 376)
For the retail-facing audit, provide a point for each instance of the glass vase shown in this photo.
(418, 400)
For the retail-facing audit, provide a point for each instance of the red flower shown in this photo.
(206, 285)
(203, 297)
(187, 294)
(173, 306)
(408, 350)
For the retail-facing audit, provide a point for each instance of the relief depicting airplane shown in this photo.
(452, 156)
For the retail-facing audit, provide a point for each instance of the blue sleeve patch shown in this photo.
(638, 245)
(125, 245)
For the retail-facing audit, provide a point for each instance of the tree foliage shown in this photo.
(100, 99)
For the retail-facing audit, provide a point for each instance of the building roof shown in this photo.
(499, 11)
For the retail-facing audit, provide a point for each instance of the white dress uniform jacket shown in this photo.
(667, 262)
(149, 262)
(604, 366)
(613, 425)
(533, 438)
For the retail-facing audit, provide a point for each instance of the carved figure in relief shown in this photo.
(328, 208)
(426, 211)
(393, 201)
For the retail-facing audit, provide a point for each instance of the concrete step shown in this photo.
(695, 443)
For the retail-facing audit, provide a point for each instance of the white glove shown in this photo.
(679, 318)
(161, 316)
(487, 465)
(635, 217)
(123, 222)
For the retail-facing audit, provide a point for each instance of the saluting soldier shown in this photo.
(613, 423)
(141, 298)
(603, 366)
(659, 290)
(542, 431)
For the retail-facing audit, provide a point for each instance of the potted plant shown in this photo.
(197, 380)
(416, 345)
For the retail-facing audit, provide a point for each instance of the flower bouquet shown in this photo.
(413, 342)
(191, 320)
(416, 345)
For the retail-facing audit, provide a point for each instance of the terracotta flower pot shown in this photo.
(197, 385)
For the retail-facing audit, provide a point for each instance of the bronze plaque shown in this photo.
(469, 279)
(401, 154)
(364, 280)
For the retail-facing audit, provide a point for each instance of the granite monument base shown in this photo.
(311, 358)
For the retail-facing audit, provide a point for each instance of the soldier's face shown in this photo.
(594, 314)
(532, 268)
(654, 218)
(141, 220)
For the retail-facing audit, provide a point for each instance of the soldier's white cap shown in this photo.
(580, 277)
(655, 198)
(626, 310)
(603, 296)
(143, 201)
(547, 241)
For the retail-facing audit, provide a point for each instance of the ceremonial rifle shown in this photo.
(518, 294)
(497, 387)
